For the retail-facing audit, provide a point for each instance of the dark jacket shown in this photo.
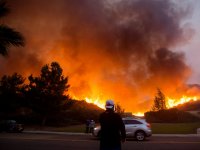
(112, 129)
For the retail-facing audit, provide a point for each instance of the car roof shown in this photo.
(129, 118)
(134, 118)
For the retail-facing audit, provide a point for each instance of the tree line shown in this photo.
(43, 99)
(45, 94)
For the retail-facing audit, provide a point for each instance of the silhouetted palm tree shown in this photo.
(8, 36)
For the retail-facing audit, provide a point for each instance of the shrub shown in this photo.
(170, 116)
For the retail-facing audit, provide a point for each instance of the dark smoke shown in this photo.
(120, 49)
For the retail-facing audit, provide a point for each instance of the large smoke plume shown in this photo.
(120, 49)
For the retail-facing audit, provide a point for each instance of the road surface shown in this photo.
(30, 141)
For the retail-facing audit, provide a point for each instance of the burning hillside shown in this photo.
(121, 49)
(182, 100)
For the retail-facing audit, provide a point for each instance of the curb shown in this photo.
(89, 134)
(176, 135)
(53, 132)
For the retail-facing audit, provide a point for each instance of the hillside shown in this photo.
(190, 106)
(80, 111)
(74, 112)
(172, 115)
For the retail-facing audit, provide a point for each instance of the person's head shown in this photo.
(110, 105)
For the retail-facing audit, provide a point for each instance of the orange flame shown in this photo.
(171, 102)
(96, 101)
(139, 114)
(101, 104)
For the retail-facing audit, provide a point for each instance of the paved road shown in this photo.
(30, 141)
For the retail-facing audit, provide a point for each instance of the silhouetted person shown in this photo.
(112, 128)
(87, 126)
(91, 126)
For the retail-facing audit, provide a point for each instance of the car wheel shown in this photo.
(140, 135)
(20, 130)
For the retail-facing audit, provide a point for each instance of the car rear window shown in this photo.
(131, 122)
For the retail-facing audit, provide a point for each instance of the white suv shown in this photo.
(135, 128)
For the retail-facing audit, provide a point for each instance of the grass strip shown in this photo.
(157, 128)
(175, 128)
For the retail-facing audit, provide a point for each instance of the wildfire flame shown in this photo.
(171, 102)
(96, 101)
(139, 114)
(101, 104)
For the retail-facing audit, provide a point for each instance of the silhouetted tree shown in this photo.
(8, 36)
(159, 101)
(47, 92)
(11, 92)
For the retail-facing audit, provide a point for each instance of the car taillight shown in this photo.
(148, 125)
